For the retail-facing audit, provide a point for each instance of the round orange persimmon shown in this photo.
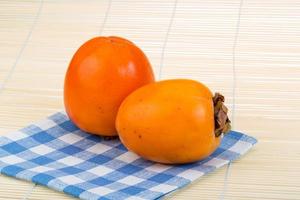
(103, 71)
(172, 121)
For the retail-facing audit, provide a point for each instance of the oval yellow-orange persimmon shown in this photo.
(170, 121)
(103, 71)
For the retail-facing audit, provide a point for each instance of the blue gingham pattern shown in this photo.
(56, 154)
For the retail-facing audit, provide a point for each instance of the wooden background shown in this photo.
(256, 66)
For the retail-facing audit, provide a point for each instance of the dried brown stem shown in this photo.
(222, 122)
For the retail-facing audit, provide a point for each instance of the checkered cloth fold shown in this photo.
(56, 154)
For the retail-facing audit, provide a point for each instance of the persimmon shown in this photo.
(102, 72)
(172, 121)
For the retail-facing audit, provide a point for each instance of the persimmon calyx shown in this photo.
(222, 122)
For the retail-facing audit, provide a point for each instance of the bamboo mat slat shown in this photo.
(13, 189)
(38, 39)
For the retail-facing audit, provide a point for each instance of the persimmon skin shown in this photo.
(170, 122)
(102, 72)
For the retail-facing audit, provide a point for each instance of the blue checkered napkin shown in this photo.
(56, 154)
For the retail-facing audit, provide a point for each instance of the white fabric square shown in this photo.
(131, 180)
(40, 169)
(63, 112)
(159, 167)
(101, 191)
(190, 174)
(98, 148)
(128, 157)
(12, 159)
(18, 135)
(45, 124)
(70, 138)
(70, 160)
(100, 170)
(71, 179)
(134, 198)
(41, 149)
(216, 162)
(164, 188)
(240, 147)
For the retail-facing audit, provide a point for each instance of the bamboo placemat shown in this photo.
(254, 62)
